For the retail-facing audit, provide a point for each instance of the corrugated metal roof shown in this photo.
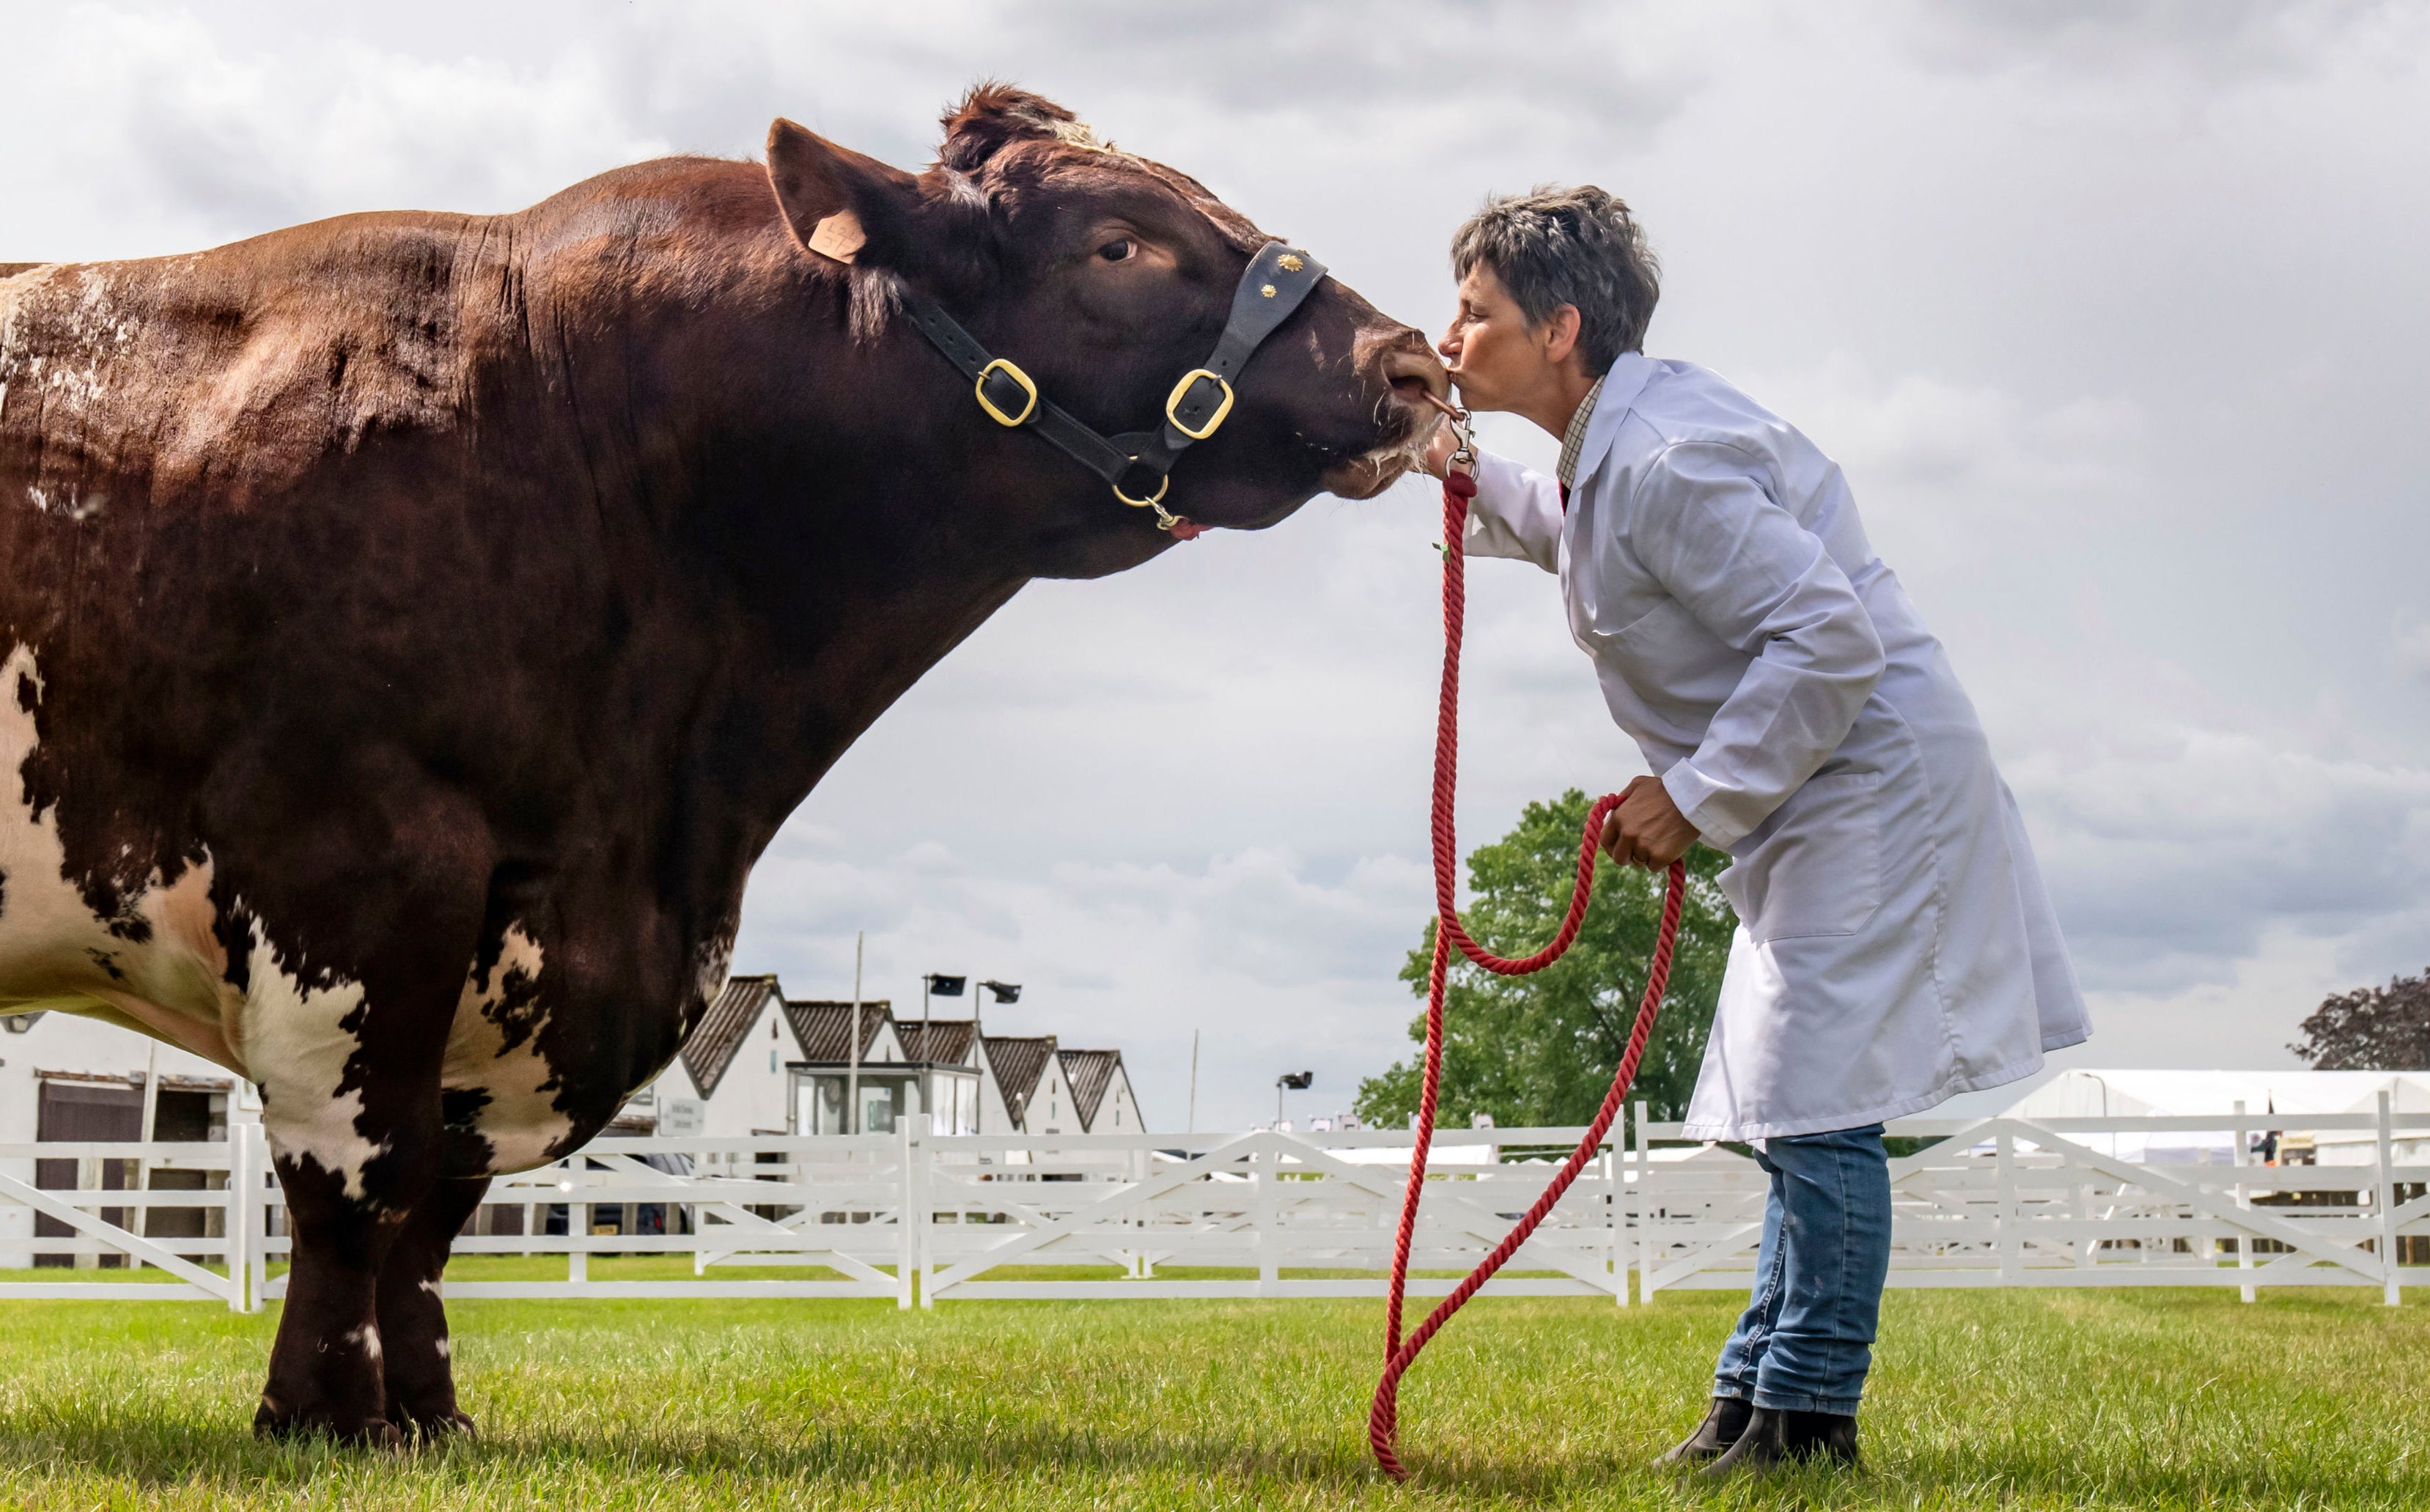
(720, 1032)
(1019, 1061)
(820, 1027)
(1090, 1071)
(937, 1042)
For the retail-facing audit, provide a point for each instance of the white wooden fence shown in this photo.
(919, 1218)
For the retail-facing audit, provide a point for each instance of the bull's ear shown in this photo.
(838, 201)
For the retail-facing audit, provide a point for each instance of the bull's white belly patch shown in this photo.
(296, 1039)
(494, 1049)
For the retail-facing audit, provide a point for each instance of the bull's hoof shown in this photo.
(352, 1430)
(430, 1427)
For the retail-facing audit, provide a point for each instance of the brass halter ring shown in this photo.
(1165, 519)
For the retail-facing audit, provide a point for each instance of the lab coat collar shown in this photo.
(1620, 386)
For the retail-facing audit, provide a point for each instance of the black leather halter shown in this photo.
(1278, 281)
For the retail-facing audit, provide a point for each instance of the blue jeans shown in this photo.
(1807, 1337)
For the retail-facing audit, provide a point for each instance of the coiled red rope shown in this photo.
(1383, 1420)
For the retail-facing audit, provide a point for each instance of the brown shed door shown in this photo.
(79, 1110)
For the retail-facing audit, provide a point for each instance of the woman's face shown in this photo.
(1494, 357)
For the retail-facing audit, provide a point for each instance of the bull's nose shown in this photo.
(1414, 371)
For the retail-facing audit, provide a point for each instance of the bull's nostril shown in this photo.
(1414, 373)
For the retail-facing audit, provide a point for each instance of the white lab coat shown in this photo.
(1895, 943)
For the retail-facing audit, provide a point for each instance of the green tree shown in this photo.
(2371, 1029)
(1542, 1049)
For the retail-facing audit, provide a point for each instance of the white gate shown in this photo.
(2049, 1203)
(1262, 1205)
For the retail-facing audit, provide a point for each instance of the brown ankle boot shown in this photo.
(1724, 1421)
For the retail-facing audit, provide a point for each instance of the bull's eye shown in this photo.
(1120, 249)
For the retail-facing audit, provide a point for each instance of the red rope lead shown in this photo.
(1383, 1420)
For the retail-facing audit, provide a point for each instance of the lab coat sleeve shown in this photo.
(1744, 567)
(1515, 513)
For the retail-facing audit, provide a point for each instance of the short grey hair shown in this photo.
(1554, 246)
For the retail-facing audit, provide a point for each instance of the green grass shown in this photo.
(2016, 1399)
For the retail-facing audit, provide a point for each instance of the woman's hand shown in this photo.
(1647, 829)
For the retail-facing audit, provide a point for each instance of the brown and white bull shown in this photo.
(413, 626)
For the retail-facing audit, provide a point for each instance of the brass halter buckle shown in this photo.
(1021, 380)
(1189, 381)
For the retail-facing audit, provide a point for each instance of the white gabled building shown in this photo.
(756, 1063)
(1101, 1090)
(729, 1079)
(64, 1077)
(825, 1081)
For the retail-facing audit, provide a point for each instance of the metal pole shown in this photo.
(852, 1033)
(1192, 1125)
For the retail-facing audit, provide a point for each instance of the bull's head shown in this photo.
(1105, 277)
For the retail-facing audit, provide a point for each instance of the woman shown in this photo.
(1895, 943)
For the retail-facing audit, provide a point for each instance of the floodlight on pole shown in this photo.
(1296, 1081)
(945, 986)
(1005, 992)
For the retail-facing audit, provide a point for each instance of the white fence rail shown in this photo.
(210, 1211)
(2008, 1202)
(919, 1218)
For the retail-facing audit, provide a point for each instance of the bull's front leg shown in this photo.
(326, 1367)
(419, 1372)
(383, 903)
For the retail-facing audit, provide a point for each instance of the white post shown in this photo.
(577, 1227)
(1614, 1175)
(1191, 1127)
(2386, 1200)
(142, 1216)
(2087, 1245)
(907, 1251)
(243, 1226)
(2243, 1204)
(1644, 1206)
(2004, 1239)
(259, 1174)
(922, 1154)
(1261, 1191)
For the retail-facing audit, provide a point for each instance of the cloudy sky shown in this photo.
(2114, 312)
